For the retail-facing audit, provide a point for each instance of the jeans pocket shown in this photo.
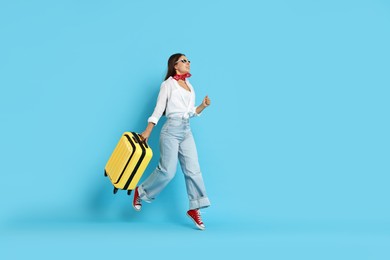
(165, 128)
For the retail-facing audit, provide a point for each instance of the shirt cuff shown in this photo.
(194, 112)
(153, 120)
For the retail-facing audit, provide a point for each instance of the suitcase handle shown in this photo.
(142, 139)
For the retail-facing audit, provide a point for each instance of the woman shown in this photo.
(177, 100)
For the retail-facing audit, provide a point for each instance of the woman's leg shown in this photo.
(165, 170)
(188, 157)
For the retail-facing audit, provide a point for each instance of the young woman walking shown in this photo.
(176, 100)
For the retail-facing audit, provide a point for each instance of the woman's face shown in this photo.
(183, 65)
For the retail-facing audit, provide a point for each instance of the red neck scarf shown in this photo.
(182, 77)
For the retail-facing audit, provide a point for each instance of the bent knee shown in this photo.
(167, 173)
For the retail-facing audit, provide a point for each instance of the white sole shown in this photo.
(136, 208)
(196, 224)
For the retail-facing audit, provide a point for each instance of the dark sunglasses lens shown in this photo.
(184, 61)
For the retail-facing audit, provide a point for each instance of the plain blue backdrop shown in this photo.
(294, 148)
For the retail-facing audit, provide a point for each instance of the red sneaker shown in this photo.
(137, 201)
(194, 214)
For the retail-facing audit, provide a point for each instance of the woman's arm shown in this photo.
(158, 111)
(160, 105)
(145, 134)
(205, 103)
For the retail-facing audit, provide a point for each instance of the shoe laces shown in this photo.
(138, 199)
(198, 217)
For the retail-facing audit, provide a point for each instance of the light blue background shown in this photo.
(294, 149)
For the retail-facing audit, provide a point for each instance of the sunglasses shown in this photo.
(183, 60)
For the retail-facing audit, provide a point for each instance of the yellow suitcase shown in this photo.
(128, 162)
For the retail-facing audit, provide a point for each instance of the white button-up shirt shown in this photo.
(174, 100)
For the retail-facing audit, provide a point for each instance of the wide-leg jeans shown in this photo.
(177, 143)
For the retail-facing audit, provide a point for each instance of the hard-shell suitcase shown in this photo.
(128, 162)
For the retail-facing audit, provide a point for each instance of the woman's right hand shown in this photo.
(145, 136)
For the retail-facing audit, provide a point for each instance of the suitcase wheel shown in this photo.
(129, 192)
(105, 173)
(115, 190)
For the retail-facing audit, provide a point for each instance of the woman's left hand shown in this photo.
(206, 101)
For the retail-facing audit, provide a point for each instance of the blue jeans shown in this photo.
(176, 142)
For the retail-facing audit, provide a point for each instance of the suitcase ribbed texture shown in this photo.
(128, 161)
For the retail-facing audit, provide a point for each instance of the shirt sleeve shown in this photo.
(193, 108)
(160, 105)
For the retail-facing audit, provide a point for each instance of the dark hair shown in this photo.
(171, 64)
